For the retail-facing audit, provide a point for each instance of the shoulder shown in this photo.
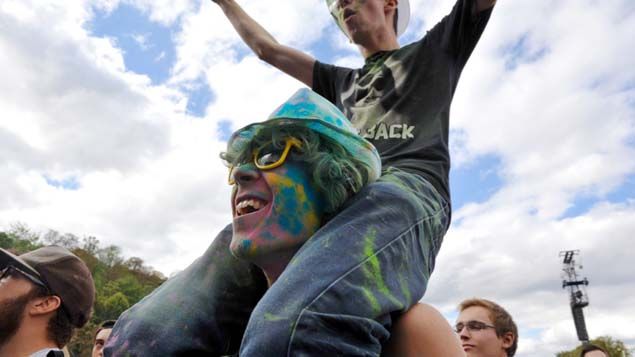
(422, 331)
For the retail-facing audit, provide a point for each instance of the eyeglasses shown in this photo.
(472, 326)
(268, 156)
(8, 271)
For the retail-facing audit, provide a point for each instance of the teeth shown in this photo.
(248, 206)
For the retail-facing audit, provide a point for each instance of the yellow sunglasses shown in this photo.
(268, 157)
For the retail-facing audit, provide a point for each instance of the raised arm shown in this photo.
(297, 64)
(481, 5)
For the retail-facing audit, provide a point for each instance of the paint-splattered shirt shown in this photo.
(400, 100)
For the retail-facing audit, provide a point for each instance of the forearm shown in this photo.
(295, 63)
(254, 35)
(480, 5)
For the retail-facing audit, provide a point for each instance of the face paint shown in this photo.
(275, 211)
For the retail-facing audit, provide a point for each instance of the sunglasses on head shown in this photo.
(11, 269)
(268, 156)
(472, 326)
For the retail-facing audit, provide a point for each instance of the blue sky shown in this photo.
(147, 46)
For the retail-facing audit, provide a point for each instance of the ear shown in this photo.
(390, 5)
(44, 305)
(508, 340)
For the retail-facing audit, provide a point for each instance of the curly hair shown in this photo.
(59, 327)
(336, 173)
(591, 347)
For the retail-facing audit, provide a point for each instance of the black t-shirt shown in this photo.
(400, 100)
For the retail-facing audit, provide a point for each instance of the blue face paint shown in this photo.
(289, 211)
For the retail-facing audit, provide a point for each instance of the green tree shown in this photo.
(67, 240)
(6, 241)
(616, 348)
(82, 343)
(90, 244)
(20, 239)
(114, 306)
(111, 255)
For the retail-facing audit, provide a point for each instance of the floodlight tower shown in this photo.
(577, 292)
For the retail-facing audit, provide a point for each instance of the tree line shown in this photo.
(119, 282)
(615, 348)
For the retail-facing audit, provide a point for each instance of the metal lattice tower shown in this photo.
(578, 297)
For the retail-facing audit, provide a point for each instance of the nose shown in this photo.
(245, 174)
(464, 333)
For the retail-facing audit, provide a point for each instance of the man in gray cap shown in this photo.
(44, 295)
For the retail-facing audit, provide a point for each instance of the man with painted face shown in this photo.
(290, 175)
(293, 178)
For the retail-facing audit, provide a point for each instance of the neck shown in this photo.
(274, 268)
(30, 338)
(381, 41)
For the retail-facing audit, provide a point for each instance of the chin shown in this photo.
(241, 247)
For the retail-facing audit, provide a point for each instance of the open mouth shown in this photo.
(348, 13)
(249, 205)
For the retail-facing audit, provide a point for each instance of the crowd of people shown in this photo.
(47, 293)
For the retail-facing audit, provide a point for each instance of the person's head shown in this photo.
(101, 336)
(44, 293)
(486, 329)
(592, 350)
(362, 19)
(290, 173)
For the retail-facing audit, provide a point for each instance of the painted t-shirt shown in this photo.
(400, 100)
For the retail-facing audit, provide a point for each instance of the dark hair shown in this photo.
(59, 327)
(500, 317)
(591, 347)
(335, 172)
(108, 324)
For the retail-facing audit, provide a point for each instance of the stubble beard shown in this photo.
(11, 316)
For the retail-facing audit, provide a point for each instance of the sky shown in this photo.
(113, 113)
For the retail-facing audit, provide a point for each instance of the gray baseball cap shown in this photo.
(63, 273)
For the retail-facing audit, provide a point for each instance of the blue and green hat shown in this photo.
(311, 110)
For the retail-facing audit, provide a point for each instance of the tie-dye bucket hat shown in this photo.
(403, 14)
(310, 109)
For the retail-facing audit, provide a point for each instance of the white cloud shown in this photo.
(142, 40)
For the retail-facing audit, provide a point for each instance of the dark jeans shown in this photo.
(336, 296)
